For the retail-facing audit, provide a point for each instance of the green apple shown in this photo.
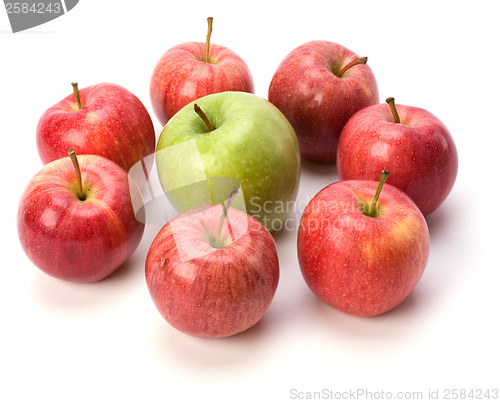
(231, 139)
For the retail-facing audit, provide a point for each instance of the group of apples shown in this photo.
(229, 162)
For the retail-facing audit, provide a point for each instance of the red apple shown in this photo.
(318, 87)
(75, 219)
(192, 70)
(408, 141)
(103, 119)
(210, 286)
(359, 255)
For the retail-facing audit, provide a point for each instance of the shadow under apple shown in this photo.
(320, 169)
(197, 354)
(395, 327)
(67, 297)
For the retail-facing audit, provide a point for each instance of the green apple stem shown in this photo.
(352, 63)
(223, 216)
(203, 117)
(80, 192)
(207, 43)
(394, 111)
(372, 211)
(76, 91)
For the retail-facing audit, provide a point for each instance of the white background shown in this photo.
(62, 342)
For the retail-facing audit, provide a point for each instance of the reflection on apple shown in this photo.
(76, 220)
(249, 143)
(362, 249)
(212, 271)
(318, 87)
(408, 141)
(103, 119)
(191, 70)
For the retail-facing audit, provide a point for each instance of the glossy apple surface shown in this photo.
(182, 75)
(318, 98)
(252, 145)
(209, 290)
(356, 263)
(112, 123)
(79, 240)
(419, 151)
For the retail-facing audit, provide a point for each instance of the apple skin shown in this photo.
(315, 100)
(362, 265)
(419, 151)
(113, 123)
(253, 143)
(209, 292)
(181, 76)
(74, 240)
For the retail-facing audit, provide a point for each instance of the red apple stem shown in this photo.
(352, 63)
(207, 43)
(203, 117)
(372, 212)
(76, 91)
(74, 159)
(394, 111)
(223, 216)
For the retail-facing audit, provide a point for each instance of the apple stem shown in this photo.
(223, 216)
(394, 111)
(74, 159)
(352, 63)
(207, 43)
(203, 117)
(77, 95)
(373, 206)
